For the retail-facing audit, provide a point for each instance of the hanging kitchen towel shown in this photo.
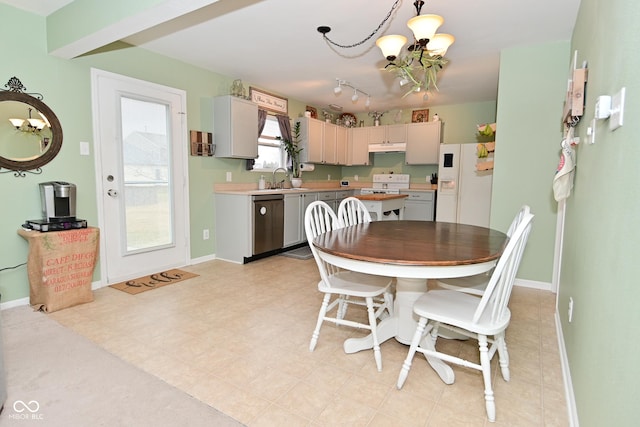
(563, 179)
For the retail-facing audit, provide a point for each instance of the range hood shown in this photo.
(388, 147)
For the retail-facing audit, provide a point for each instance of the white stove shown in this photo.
(387, 184)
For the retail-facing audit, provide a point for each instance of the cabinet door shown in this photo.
(396, 133)
(342, 145)
(423, 143)
(329, 151)
(377, 135)
(235, 124)
(307, 198)
(359, 146)
(292, 206)
(311, 140)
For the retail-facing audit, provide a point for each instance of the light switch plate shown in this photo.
(617, 110)
(84, 148)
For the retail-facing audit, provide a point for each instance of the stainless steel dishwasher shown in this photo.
(268, 222)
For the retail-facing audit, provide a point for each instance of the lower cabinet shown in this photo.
(419, 206)
(292, 207)
(295, 206)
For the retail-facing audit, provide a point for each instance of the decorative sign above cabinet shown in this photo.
(269, 101)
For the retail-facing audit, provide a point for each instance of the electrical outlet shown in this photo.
(570, 311)
(228, 176)
(205, 234)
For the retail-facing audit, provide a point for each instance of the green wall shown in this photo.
(528, 136)
(600, 263)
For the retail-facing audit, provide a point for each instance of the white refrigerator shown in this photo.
(464, 193)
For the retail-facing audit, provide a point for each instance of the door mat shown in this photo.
(299, 253)
(153, 281)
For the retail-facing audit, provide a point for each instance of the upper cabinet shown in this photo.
(358, 147)
(388, 134)
(423, 143)
(235, 132)
(322, 142)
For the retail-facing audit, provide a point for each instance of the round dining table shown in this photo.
(412, 252)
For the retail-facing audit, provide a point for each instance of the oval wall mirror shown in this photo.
(30, 133)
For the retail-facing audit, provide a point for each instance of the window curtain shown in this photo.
(285, 130)
(262, 119)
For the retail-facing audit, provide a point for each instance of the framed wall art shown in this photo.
(268, 101)
(419, 116)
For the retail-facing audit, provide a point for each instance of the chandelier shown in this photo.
(418, 67)
(28, 125)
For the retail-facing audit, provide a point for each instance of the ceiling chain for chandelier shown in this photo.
(425, 55)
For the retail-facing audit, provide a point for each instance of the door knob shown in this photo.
(112, 192)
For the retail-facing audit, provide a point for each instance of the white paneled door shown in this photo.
(141, 175)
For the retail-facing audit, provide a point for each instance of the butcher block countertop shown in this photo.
(380, 197)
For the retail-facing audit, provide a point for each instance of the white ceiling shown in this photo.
(274, 44)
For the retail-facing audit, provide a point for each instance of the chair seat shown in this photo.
(457, 309)
(356, 284)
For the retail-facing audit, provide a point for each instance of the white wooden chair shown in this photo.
(352, 211)
(484, 319)
(320, 218)
(476, 284)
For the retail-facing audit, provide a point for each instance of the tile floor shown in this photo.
(237, 337)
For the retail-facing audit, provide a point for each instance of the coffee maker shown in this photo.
(58, 201)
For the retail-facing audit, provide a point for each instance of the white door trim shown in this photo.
(95, 75)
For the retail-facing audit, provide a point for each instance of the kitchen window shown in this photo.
(270, 152)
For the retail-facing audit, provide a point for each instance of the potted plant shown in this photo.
(293, 151)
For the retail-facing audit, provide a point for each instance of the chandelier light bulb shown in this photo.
(337, 90)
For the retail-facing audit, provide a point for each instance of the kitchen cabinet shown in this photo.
(235, 131)
(423, 142)
(330, 144)
(292, 219)
(342, 145)
(358, 147)
(307, 199)
(333, 198)
(234, 230)
(419, 205)
(388, 134)
(311, 140)
(322, 142)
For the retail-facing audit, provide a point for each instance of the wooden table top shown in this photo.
(419, 243)
(380, 197)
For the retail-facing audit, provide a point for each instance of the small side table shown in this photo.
(60, 267)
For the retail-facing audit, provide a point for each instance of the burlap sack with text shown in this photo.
(60, 267)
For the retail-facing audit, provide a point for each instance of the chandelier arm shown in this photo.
(348, 46)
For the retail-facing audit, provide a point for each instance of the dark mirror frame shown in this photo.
(20, 167)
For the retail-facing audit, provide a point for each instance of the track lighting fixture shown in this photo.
(356, 92)
(338, 89)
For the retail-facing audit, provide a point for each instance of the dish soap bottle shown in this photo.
(261, 183)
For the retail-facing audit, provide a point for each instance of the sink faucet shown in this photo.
(273, 180)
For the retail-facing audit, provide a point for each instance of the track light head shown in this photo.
(355, 96)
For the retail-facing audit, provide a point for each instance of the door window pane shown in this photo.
(146, 159)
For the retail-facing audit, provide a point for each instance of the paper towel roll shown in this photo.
(307, 167)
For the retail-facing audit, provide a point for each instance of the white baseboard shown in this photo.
(566, 374)
(202, 259)
(544, 286)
